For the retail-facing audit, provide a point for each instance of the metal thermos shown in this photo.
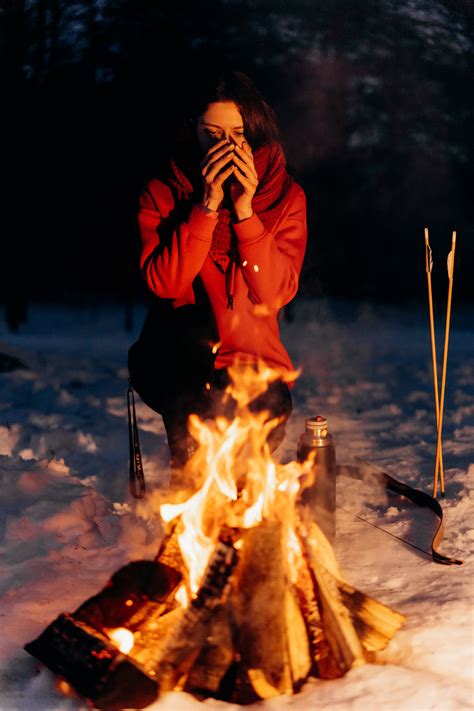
(318, 490)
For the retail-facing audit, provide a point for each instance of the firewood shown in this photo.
(151, 637)
(324, 664)
(184, 642)
(131, 593)
(169, 552)
(215, 657)
(236, 686)
(375, 622)
(355, 624)
(259, 609)
(337, 623)
(297, 642)
(93, 666)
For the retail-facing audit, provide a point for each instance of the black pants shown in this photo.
(176, 394)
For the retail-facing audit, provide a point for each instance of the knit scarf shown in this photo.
(268, 202)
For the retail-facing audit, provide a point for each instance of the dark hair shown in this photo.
(260, 123)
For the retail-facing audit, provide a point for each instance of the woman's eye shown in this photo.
(213, 134)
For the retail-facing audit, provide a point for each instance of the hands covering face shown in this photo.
(220, 162)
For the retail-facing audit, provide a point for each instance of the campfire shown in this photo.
(244, 600)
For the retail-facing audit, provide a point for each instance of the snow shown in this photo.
(68, 521)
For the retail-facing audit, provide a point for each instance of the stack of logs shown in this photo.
(253, 630)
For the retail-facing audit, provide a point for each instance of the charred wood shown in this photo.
(215, 657)
(95, 668)
(183, 643)
(135, 591)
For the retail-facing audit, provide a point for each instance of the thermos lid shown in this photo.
(317, 426)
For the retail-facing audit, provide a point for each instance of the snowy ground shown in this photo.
(68, 521)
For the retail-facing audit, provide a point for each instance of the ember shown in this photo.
(244, 600)
(122, 637)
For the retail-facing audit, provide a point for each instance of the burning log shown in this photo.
(132, 594)
(339, 630)
(93, 665)
(297, 642)
(149, 638)
(354, 624)
(175, 655)
(215, 657)
(169, 552)
(258, 603)
(78, 646)
(324, 664)
(168, 565)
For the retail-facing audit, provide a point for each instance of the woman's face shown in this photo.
(221, 119)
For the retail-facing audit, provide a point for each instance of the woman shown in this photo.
(223, 236)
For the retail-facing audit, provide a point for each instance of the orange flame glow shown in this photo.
(244, 484)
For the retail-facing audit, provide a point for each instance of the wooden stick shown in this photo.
(429, 266)
(445, 362)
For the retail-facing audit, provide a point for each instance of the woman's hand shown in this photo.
(242, 192)
(215, 172)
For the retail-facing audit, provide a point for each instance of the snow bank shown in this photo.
(68, 521)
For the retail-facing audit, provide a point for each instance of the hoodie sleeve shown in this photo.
(271, 263)
(170, 263)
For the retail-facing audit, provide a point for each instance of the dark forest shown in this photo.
(374, 99)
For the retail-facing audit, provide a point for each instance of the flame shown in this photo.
(170, 511)
(122, 638)
(182, 596)
(244, 484)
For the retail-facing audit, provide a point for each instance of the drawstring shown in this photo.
(230, 292)
(137, 477)
(229, 281)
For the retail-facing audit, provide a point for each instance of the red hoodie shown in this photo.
(266, 277)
